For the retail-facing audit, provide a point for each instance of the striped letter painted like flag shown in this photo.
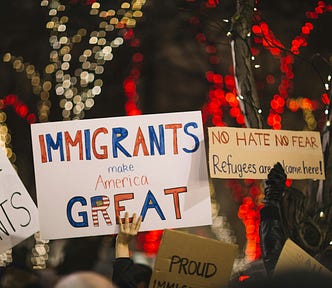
(100, 203)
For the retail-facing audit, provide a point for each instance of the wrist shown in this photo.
(122, 240)
(122, 250)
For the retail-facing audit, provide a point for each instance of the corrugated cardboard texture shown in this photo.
(186, 260)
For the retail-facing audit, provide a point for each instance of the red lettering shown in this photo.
(104, 155)
(175, 135)
(42, 148)
(69, 141)
(175, 192)
(118, 208)
(140, 141)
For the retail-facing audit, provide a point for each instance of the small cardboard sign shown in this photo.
(293, 256)
(18, 213)
(191, 261)
(252, 153)
(89, 171)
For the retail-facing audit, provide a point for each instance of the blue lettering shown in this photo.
(72, 201)
(193, 124)
(87, 139)
(151, 202)
(154, 141)
(119, 134)
(50, 144)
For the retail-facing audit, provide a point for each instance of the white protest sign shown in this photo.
(18, 213)
(89, 171)
(252, 153)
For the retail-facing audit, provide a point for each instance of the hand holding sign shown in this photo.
(127, 231)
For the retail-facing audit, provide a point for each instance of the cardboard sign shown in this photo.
(294, 257)
(18, 213)
(188, 260)
(89, 171)
(252, 153)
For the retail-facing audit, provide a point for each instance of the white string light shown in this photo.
(327, 87)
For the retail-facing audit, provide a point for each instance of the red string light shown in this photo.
(222, 95)
(148, 241)
(131, 81)
(264, 36)
(19, 107)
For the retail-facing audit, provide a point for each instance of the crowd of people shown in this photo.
(128, 274)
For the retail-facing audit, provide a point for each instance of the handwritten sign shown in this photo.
(89, 171)
(293, 256)
(18, 213)
(201, 262)
(251, 153)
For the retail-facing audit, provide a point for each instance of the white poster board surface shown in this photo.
(18, 213)
(252, 153)
(89, 171)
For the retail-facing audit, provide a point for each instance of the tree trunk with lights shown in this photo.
(241, 27)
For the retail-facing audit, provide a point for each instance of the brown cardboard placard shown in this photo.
(187, 260)
(293, 256)
(248, 153)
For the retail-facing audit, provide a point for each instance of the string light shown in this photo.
(22, 110)
(79, 90)
(222, 93)
(6, 258)
(39, 252)
(130, 83)
(12, 100)
(264, 36)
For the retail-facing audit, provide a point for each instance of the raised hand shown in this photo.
(127, 231)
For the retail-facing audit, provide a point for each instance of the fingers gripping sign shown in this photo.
(130, 226)
(128, 229)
